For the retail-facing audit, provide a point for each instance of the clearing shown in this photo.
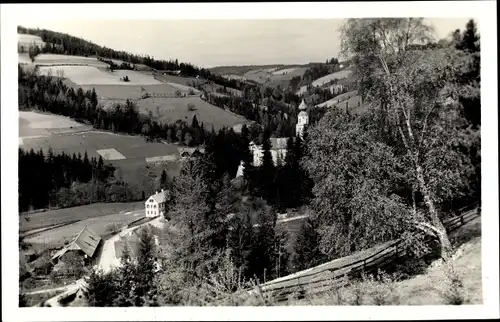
(24, 59)
(326, 79)
(173, 109)
(57, 237)
(124, 91)
(42, 219)
(55, 59)
(134, 169)
(131, 147)
(90, 75)
(37, 125)
(26, 40)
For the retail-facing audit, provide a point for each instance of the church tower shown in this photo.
(303, 119)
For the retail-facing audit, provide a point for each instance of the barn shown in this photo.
(85, 245)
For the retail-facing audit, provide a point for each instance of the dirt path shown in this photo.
(61, 288)
(108, 259)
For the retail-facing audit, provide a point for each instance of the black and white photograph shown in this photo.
(229, 161)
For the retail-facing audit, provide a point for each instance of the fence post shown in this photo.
(462, 220)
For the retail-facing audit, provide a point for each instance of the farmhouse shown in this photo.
(85, 245)
(156, 204)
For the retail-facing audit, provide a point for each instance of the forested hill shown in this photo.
(64, 44)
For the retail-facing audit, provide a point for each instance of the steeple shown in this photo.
(302, 105)
(303, 119)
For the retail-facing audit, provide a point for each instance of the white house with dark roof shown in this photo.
(155, 205)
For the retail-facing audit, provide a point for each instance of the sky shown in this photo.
(210, 43)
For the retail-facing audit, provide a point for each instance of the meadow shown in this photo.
(37, 125)
(338, 99)
(326, 79)
(173, 109)
(26, 40)
(91, 75)
(37, 220)
(337, 75)
(274, 77)
(57, 237)
(132, 147)
(123, 92)
(55, 59)
(23, 59)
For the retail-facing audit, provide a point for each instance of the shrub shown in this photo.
(191, 107)
(451, 288)
(112, 227)
(178, 93)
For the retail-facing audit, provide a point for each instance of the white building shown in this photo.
(278, 151)
(155, 205)
(303, 119)
(278, 145)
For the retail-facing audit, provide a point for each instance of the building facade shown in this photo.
(156, 204)
(303, 119)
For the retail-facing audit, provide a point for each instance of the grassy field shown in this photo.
(23, 59)
(132, 147)
(32, 221)
(212, 89)
(326, 79)
(177, 79)
(338, 99)
(425, 289)
(55, 59)
(38, 125)
(57, 237)
(26, 40)
(133, 169)
(274, 77)
(173, 109)
(337, 75)
(235, 77)
(241, 70)
(123, 92)
(92, 75)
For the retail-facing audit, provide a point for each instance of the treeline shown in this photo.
(64, 44)
(42, 176)
(113, 66)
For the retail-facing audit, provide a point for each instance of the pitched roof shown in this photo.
(160, 197)
(86, 241)
(302, 105)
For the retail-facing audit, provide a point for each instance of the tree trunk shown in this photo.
(436, 222)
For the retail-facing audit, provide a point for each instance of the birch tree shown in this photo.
(416, 91)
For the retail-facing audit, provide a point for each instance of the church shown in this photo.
(278, 145)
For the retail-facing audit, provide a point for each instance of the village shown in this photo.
(351, 176)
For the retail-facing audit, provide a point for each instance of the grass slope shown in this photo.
(37, 220)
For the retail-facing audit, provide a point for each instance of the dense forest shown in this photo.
(42, 177)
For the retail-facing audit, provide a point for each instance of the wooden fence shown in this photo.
(328, 275)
